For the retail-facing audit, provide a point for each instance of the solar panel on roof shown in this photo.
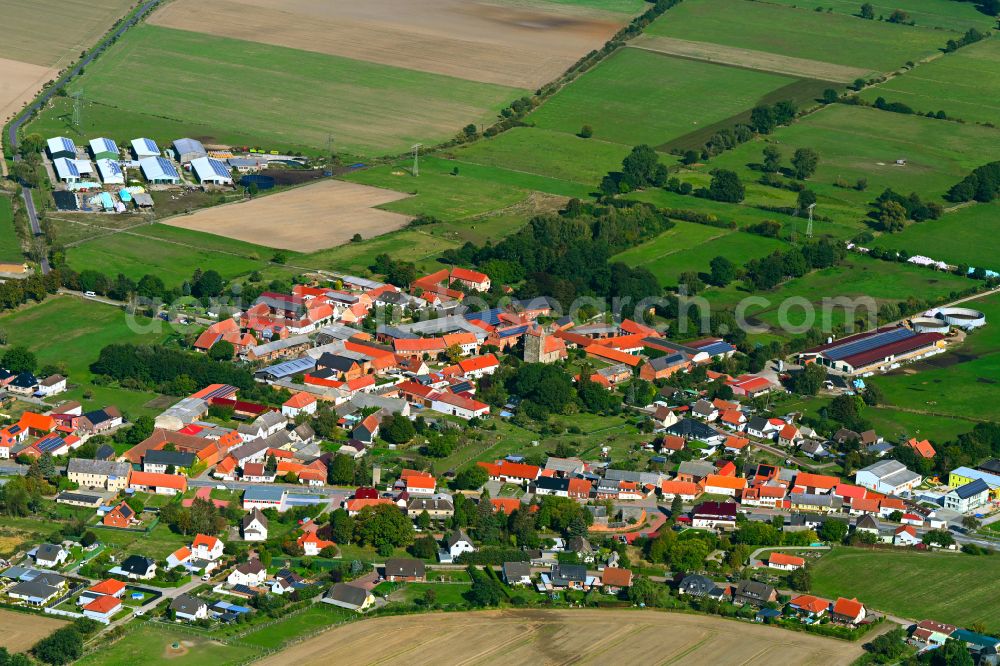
(167, 168)
(67, 144)
(513, 331)
(219, 168)
(69, 166)
(109, 145)
(868, 344)
(50, 445)
(150, 145)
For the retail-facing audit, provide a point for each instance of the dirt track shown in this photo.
(21, 631)
(565, 637)
(305, 219)
(730, 55)
(490, 42)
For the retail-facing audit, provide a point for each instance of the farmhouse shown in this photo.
(873, 350)
(109, 475)
(159, 171)
(161, 484)
(209, 170)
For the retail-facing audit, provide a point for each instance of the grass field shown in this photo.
(965, 236)
(947, 587)
(963, 84)
(690, 247)
(859, 277)
(554, 636)
(799, 32)
(10, 244)
(960, 383)
(241, 92)
(637, 96)
(155, 644)
(81, 328)
(312, 619)
(171, 253)
(857, 142)
(934, 13)
(547, 153)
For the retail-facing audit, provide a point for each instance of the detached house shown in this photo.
(849, 611)
(207, 547)
(404, 570)
(254, 526)
(251, 573)
(753, 593)
(189, 608)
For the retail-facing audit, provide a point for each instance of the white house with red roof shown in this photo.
(207, 547)
(905, 535)
(300, 403)
(469, 279)
(458, 405)
(506, 471)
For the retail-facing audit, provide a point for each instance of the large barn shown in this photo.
(111, 172)
(143, 148)
(104, 149)
(60, 146)
(159, 170)
(873, 350)
(209, 170)
(66, 170)
(189, 150)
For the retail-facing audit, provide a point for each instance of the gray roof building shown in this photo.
(98, 467)
(347, 596)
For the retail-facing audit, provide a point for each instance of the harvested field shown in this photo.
(53, 32)
(19, 82)
(306, 219)
(21, 631)
(731, 55)
(553, 637)
(516, 46)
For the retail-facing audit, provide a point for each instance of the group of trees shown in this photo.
(893, 209)
(972, 35)
(641, 168)
(765, 118)
(568, 255)
(768, 272)
(14, 293)
(202, 517)
(983, 185)
(170, 371)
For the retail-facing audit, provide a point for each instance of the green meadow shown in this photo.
(10, 244)
(964, 84)
(965, 236)
(638, 96)
(799, 32)
(948, 587)
(247, 93)
(946, 14)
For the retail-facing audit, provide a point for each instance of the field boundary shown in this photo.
(749, 58)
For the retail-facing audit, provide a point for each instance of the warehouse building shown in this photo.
(873, 350)
(159, 170)
(60, 146)
(66, 170)
(189, 150)
(143, 148)
(211, 171)
(104, 149)
(111, 172)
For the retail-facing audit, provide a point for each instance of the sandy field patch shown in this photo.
(19, 83)
(517, 46)
(21, 631)
(305, 219)
(566, 637)
(730, 55)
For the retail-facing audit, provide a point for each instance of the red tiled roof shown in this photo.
(469, 275)
(809, 480)
(924, 448)
(808, 602)
(174, 481)
(109, 586)
(616, 577)
(103, 604)
(848, 607)
(729, 482)
(782, 558)
(613, 355)
(300, 400)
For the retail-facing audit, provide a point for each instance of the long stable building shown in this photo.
(873, 350)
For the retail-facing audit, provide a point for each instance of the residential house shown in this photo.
(785, 562)
(159, 461)
(404, 570)
(351, 597)
(572, 576)
(121, 516)
(251, 573)
(300, 403)
(458, 543)
(437, 508)
(686, 490)
(50, 555)
(286, 581)
(109, 475)
(136, 567)
(714, 516)
(697, 585)
(582, 548)
(205, 547)
(905, 535)
(848, 611)
(253, 526)
(788, 435)
(615, 579)
(367, 430)
(732, 486)
(809, 606)
(39, 590)
(923, 448)
(517, 573)
(753, 593)
(932, 632)
(694, 471)
(51, 385)
(189, 608)
(102, 608)
(505, 471)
